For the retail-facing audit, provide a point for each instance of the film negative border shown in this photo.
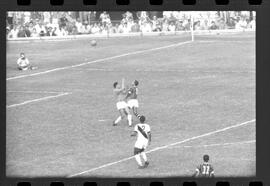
(127, 2)
(262, 75)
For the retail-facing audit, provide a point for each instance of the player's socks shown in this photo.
(117, 120)
(146, 164)
(138, 159)
(137, 115)
(129, 117)
(144, 156)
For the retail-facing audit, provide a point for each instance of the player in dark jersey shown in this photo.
(205, 169)
(132, 96)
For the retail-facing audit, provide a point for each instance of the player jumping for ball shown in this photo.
(132, 96)
(122, 107)
(142, 130)
(205, 169)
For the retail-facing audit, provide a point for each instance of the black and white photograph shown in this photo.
(130, 94)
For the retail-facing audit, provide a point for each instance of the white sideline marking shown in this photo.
(216, 144)
(99, 60)
(101, 120)
(163, 147)
(36, 100)
(33, 91)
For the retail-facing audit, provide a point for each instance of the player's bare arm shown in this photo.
(195, 174)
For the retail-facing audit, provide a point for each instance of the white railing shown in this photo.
(83, 36)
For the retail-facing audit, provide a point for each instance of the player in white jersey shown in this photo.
(133, 100)
(122, 107)
(142, 130)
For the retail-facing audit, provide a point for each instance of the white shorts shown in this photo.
(141, 144)
(133, 103)
(121, 105)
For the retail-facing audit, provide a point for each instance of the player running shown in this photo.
(205, 169)
(132, 96)
(143, 133)
(120, 93)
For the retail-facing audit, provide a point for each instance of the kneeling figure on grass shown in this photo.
(24, 64)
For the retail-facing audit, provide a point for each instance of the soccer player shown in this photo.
(143, 133)
(205, 169)
(122, 107)
(133, 101)
(23, 63)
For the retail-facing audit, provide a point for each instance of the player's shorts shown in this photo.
(121, 105)
(133, 103)
(137, 150)
(141, 144)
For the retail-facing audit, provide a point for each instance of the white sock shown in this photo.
(138, 159)
(144, 156)
(117, 120)
(129, 117)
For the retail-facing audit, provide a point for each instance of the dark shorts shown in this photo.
(137, 150)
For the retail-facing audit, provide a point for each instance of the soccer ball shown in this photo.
(93, 43)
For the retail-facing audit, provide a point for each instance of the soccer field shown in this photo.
(198, 97)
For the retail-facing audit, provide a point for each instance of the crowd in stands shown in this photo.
(142, 22)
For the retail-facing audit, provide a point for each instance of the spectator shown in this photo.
(204, 25)
(179, 26)
(213, 26)
(21, 32)
(95, 29)
(13, 32)
(165, 26)
(50, 32)
(171, 27)
(146, 27)
(135, 27)
(155, 24)
(79, 26)
(62, 31)
(27, 31)
(252, 24)
(241, 24)
(34, 33)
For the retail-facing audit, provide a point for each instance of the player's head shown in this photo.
(22, 55)
(115, 84)
(135, 82)
(142, 119)
(205, 158)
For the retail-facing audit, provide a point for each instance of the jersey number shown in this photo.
(206, 169)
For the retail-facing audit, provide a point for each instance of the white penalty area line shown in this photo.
(216, 144)
(164, 147)
(34, 92)
(37, 100)
(99, 60)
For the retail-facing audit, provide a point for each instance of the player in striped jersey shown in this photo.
(205, 169)
(142, 130)
(132, 96)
